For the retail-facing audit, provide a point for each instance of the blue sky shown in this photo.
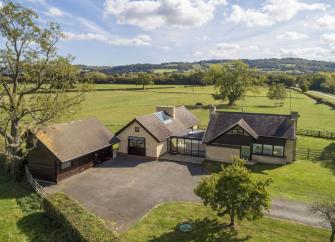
(117, 32)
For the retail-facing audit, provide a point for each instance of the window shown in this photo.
(238, 131)
(267, 149)
(136, 142)
(278, 150)
(137, 129)
(65, 165)
(257, 148)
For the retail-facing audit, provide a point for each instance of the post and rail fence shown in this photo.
(34, 184)
(315, 154)
(317, 133)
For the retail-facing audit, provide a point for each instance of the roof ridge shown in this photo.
(251, 113)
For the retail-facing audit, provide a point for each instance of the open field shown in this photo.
(328, 97)
(115, 108)
(21, 218)
(161, 225)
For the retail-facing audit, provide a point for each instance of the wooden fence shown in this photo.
(315, 154)
(317, 133)
(34, 184)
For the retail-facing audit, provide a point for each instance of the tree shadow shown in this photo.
(327, 157)
(202, 231)
(37, 226)
(267, 106)
(261, 168)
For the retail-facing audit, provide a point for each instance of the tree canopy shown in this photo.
(277, 92)
(235, 192)
(144, 79)
(38, 82)
(232, 80)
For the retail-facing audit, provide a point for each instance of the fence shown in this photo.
(315, 154)
(316, 133)
(34, 184)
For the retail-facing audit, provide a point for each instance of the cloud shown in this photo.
(54, 12)
(139, 40)
(326, 21)
(152, 14)
(314, 53)
(272, 11)
(231, 50)
(292, 36)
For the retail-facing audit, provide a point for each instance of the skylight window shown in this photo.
(164, 117)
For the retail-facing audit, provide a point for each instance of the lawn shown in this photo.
(161, 223)
(21, 218)
(117, 107)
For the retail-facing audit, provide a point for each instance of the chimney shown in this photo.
(170, 110)
(212, 110)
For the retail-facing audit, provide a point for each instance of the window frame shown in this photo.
(67, 167)
(272, 152)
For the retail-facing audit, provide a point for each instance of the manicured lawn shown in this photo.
(161, 223)
(115, 108)
(21, 218)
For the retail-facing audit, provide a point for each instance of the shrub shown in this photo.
(78, 224)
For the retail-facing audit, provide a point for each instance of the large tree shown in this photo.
(326, 208)
(144, 79)
(36, 89)
(232, 80)
(235, 192)
(277, 92)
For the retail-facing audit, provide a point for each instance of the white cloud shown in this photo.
(139, 40)
(54, 12)
(271, 12)
(231, 50)
(291, 35)
(315, 53)
(152, 14)
(250, 17)
(326, 21)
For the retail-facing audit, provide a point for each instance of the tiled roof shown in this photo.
(77, 138)
(256, 124)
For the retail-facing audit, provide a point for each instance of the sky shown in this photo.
(119, 32)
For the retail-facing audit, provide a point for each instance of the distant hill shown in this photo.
(290, 65)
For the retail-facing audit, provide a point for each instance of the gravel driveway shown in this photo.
(125, 189)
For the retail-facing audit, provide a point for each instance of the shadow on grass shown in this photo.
(202, 231)
(327, 157)
(37, 226)
(260, 168)
(266, 106)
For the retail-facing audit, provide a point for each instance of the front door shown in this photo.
(136, 146)
(245, 152)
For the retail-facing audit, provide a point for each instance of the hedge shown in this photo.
(77, 223)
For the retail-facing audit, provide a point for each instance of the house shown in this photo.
(65, 149)
(169, 129)
(266, 138)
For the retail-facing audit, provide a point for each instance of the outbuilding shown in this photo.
(65, 149)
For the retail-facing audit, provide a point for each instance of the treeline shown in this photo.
(290, 65)
(322, 81)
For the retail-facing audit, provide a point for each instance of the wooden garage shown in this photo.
(65, 149)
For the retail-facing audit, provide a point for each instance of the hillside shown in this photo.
(291, 65)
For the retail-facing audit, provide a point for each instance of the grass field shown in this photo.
(21, 218)
(115, 108)
(161, 225)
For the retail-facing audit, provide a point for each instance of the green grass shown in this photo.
(21, 216)
(161, 225)
(115, 108)
(164, 70)
(318, 95)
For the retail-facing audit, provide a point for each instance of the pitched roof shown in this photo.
(161, 130)
(77, 138)
(256, 124)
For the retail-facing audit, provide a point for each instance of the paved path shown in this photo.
(295, 211)
(324, 94)
(126, 189)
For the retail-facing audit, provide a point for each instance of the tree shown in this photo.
(277, 92)
(232, 80)
(234, 192)
(38, 84)
(144, 79)
(197, 75)
(96, 76)
(326, 208)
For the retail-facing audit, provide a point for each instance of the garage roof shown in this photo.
(70, 140)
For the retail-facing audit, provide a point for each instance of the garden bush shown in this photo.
(78, 224)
